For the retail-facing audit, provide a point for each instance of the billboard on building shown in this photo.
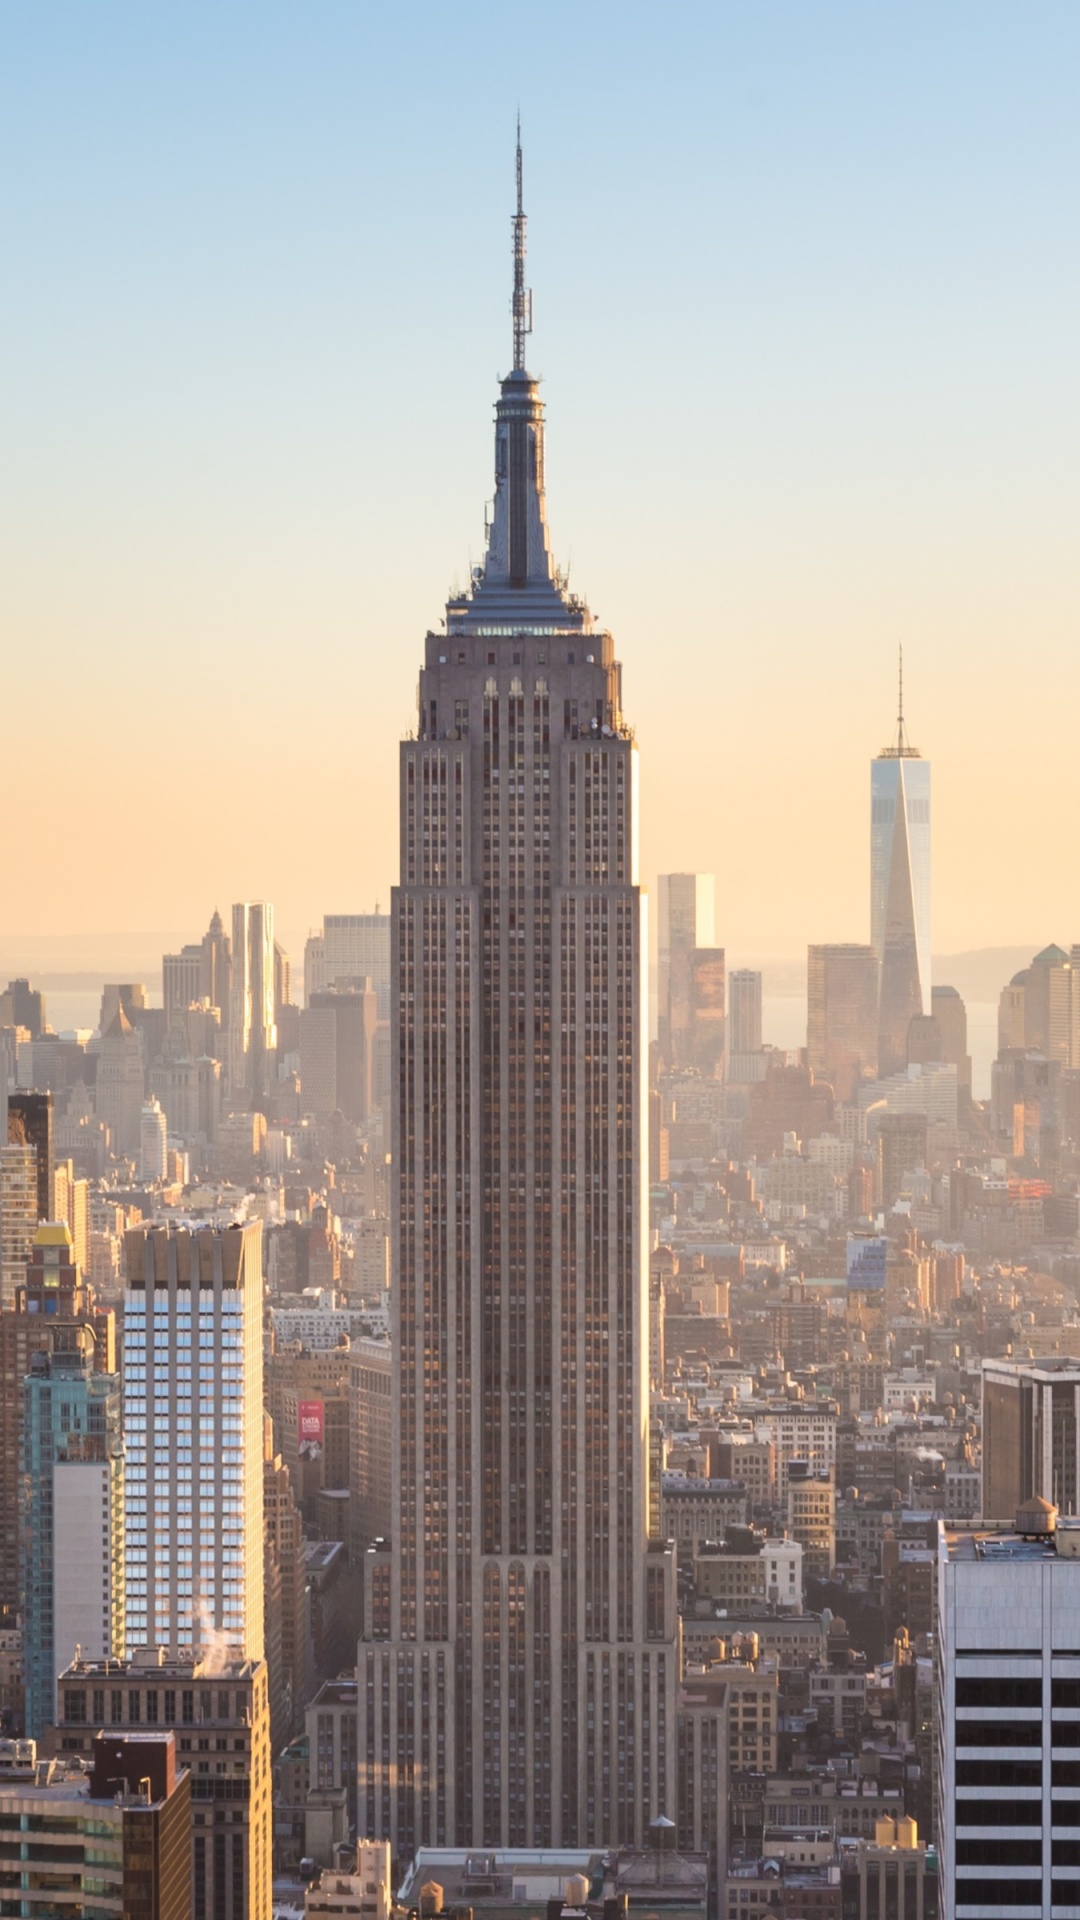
(866, 1263)
(310, 1418)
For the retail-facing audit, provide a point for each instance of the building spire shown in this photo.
(522, 302)
(903, 749)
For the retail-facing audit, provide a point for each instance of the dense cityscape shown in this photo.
(488, 1431)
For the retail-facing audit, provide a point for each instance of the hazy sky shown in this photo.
(806, 283)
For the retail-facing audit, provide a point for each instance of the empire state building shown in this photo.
(519, 1670)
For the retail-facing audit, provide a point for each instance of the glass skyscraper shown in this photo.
(900, 891)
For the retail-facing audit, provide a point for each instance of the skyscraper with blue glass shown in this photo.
(900, 890)
(193, 1438)
(71, 1561)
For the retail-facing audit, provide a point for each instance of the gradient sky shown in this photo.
(807, 315)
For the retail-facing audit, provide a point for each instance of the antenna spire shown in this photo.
(901, 743)
(522, 302)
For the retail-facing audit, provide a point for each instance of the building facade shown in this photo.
(1031, 1434)
(524, 1693)
(900, 891)
(193, 1438)
(110, 1843)
(218, 1711)
(72, 1544)
(842, 1015)
(686, 922)
(252, 1030)
(1007, 1652)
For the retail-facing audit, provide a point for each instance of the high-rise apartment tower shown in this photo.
(900, 889)
(193, 1440)
(524, 1691)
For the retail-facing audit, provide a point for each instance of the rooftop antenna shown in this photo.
(903, 750)
(522, 302)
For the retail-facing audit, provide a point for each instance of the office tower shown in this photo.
(705, 1039)
(950, 1013)
(337, 1051)
(190, 1093)
(901, 1150)
(181, 981)
(72, 1206)
(119, 1088)
(744, 1011)
(130, 995)
(1008, 1683)
(842, 1015)
(282, 979)
(18, 1217)
(370, 1479)
(215, 980)
(193, 1438)
(53, 1310)
(252, 1038)
(217, 1709)
(744, 1026)
(285, 1541)
(1031, 1434)
(687, 915)
(900, 889)
(108, 1841)
(30, 1124)
(72, 1560)
(1051, 998)
(153, 1141)
(9, 1060)
(351, 946)
(22, 1006)
(525, 1692)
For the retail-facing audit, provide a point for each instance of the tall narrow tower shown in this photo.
(900, 888)
(517, 1686)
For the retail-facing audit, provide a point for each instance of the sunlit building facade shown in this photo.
(900, 892)
(193, 1440)
(518, 1686)
(252, 1036)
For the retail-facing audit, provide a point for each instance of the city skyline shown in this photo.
(888, 453)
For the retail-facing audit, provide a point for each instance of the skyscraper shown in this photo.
(842, 1015)
(252, 1036)
(1006, 1634)
(18, 1216)
(744, 1010)
(119, 1088)
(900, 889)
(524, 1692)
(1031, 1434)
(72, 1558)
(193, 1439)
(52, 1310)
(30, 1124)
(686, 920)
